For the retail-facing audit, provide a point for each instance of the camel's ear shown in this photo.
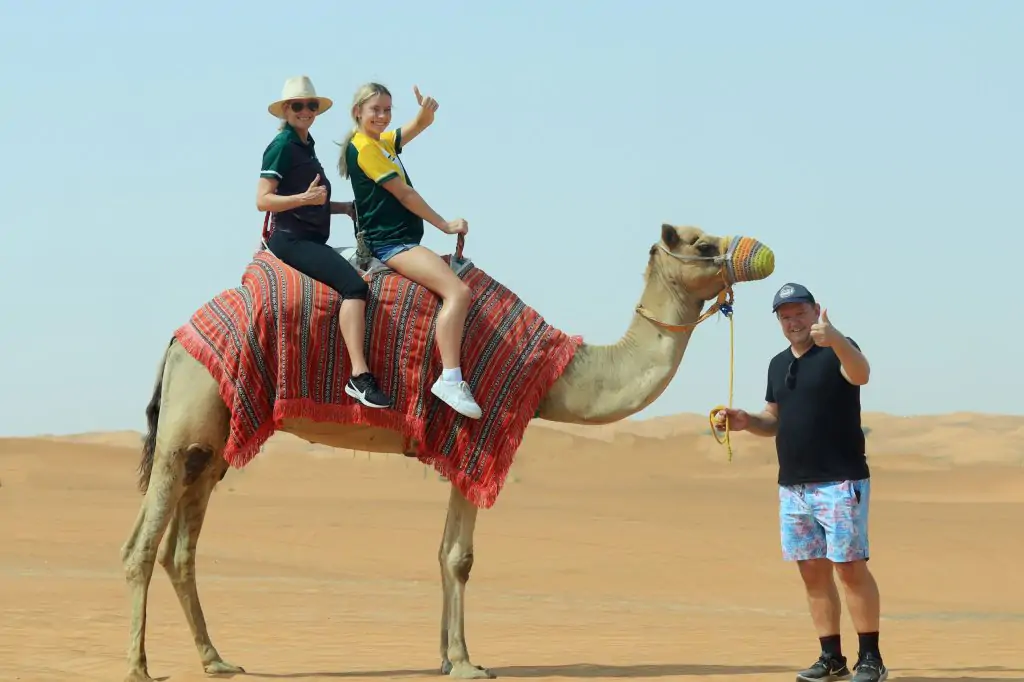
(669, 236)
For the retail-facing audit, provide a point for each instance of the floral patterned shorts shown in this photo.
(825, 520)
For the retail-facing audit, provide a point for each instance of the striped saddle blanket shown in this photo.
(274, 347)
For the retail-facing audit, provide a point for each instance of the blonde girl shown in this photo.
(391, 215)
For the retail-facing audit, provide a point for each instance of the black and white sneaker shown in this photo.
(826, 667)
(870, 669)
(364, 389)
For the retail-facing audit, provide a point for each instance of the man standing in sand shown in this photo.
(813, 412)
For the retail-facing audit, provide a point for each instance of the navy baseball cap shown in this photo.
(791, 292)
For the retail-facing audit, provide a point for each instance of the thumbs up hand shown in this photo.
(822, 331)
(428, 105)
(316, 195)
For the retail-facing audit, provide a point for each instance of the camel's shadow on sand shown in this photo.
(581, 670)
(595, 670)
(585, 670)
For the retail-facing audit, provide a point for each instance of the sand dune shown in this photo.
(632, 550)
(955, 439)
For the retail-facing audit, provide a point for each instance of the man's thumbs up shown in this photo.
(822, 331)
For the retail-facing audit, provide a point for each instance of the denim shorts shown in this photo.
(384, 252)
(825, 520)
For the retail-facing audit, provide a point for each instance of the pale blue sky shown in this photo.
(874, 145)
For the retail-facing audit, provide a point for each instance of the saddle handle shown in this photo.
(459, 244)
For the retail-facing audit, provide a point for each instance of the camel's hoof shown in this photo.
(138, 676)
(223, 668)
(466, 671)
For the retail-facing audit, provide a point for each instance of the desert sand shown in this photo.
(635, 550)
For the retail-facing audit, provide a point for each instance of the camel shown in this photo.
(188, 427)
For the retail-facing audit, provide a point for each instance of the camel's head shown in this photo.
(703, 264)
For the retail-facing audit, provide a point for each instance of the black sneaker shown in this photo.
(870, 669)
(826, 667)
(364, 389)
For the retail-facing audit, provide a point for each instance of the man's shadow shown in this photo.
(895, 675)
(903, 678)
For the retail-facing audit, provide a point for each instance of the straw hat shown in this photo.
(298, 87)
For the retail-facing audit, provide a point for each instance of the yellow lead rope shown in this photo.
(722, 305)
(727, 441)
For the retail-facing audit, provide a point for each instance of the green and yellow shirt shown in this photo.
(294, 165)
(381, 215)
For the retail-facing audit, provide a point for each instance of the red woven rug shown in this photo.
(274, 347)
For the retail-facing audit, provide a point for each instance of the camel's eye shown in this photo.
(705, 248)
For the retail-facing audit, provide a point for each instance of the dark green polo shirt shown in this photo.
(370, 164)
(294, 165)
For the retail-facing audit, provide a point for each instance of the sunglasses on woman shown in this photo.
(313, 106)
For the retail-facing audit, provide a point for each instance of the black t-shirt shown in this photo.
(820, 438)
(294, 165)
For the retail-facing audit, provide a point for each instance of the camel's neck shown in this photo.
(608, 383)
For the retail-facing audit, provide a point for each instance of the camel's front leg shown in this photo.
(178, 557)
(446, 590)
(139, 554)
(456, 558)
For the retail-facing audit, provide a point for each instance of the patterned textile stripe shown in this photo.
(274, 347)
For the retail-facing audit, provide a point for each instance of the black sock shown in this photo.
(830, 645)
(869, 643)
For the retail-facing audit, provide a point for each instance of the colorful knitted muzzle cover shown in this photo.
(747, 260)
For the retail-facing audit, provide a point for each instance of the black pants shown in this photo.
(311, 256)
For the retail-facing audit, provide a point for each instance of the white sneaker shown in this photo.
(458, 397)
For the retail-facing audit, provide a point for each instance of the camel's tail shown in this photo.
(152, 420)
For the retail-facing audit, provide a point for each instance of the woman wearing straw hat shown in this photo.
(294, 190)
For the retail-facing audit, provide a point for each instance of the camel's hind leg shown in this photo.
(186, 420)
(178, 553)
(456, 559)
